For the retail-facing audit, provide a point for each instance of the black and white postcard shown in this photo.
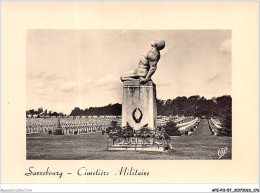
(129, 92)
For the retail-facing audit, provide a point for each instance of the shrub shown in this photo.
(113, 123)
(58, 132)
(144, 132)
(127, 131)
(159, 134)
(166, 136)
(114, 131)
(171, 129)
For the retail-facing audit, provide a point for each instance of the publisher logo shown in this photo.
(222, 151)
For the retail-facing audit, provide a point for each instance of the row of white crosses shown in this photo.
(186, 126)
(180, 120)
(96, 117)
(216, 123)
(66, 122)
(163, 120)
(214, 126)
(44, 125)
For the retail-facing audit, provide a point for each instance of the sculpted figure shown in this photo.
(147, 64)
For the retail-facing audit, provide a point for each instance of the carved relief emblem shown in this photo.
(137, 115)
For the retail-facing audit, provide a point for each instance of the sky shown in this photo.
(82, 68)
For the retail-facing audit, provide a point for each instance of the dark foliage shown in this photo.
(42, 113)
(171, 129)
(114, 131)
(58, 132)
(144, 132)
(195, 106)
(127, 131)
(226, 125)
(166, 136)
(192, 106)
(111, 109)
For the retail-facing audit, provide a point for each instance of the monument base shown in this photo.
(137, 144)
(139, 104)
(129, 148)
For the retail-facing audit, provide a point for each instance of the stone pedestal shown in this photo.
(139, 104)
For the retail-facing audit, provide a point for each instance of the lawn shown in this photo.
(199, 145)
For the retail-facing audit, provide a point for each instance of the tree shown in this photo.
(39, 111)
(27, 114)
(226, 125)
(55, 114)
(32, 112)
(76, 112)
(224, 107)
(45, 112)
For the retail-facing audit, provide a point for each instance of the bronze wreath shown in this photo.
(140, 118)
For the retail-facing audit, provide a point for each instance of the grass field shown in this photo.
(200, 145)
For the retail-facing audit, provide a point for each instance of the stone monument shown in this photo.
(139, 92)
(139, 104)
(139, 110)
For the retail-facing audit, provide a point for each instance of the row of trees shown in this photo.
(40, 112)
(195, 106)
(192, 106)
(111, 109)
